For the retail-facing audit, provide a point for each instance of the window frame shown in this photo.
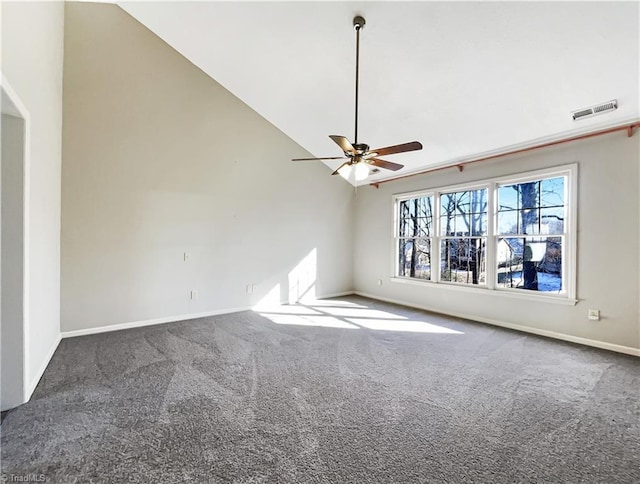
(569, 249)
(398, 238)
(440, 238)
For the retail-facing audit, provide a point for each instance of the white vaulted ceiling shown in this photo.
(465, 79)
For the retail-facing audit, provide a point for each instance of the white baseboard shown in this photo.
(149, 322)
(628, 350)
(172, 319)
(28, 391)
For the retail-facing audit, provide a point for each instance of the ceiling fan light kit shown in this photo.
(360, 160)
(360, 171)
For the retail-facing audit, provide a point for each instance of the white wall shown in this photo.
(159, 160)
(608, 256)
(32, 50)
(12, 332)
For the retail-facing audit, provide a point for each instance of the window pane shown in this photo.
(529, 221)
(552, 192)
(479, 224)
(464, 213)
(415, 258)
(552, 220)
(406, 220)
(463, 260)
(424, 207)
(508, 198)
(532, 263)
(508, 221)
(408, 207)
(424, 227)
(415, 217)
(532, 208)
(406, 225)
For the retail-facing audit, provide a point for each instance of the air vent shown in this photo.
(595, 110)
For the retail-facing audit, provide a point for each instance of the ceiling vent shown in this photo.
(595, 110)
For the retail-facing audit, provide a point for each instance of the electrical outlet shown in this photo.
(187, 256)
(594, 314)
(379, 282)
(250, 288)
(194, 295)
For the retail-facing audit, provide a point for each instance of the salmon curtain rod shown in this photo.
(460, 166)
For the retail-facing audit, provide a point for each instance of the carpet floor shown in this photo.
(336, 391)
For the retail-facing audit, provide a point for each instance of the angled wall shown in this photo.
(607, 246)
(159, 160)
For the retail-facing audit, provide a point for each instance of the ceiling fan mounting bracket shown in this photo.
(358, 22)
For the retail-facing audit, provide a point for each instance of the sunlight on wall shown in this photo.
(271, 299)
(304, 310)
(302, 279)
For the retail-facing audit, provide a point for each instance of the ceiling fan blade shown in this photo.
(316, 159)
(384, 164)
(391, 150)
(340, 167)
(343, 143)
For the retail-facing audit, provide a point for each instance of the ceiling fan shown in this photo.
(359, 157)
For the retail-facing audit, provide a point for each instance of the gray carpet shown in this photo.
(240, 398)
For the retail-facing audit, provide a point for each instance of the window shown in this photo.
(513, 234)
(414, 241)
(463, 230)
(531, 234)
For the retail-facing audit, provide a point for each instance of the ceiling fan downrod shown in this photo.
(359, 154)
(358, 25)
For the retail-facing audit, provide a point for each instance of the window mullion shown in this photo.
(396, 246)
(492, 243)
(435, 247)
(571, 231)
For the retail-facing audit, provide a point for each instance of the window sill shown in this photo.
(484, 290)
